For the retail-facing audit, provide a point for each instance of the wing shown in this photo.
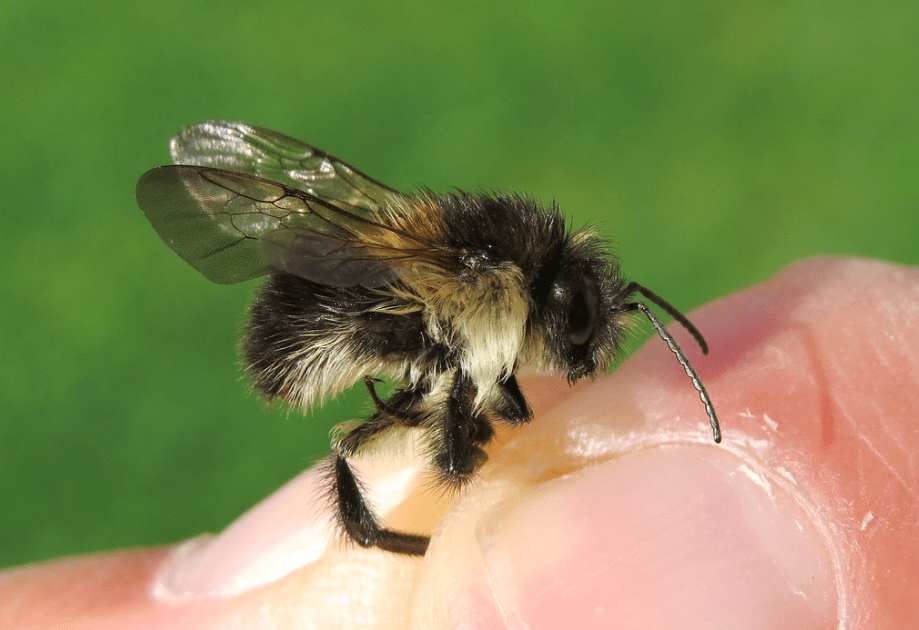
(234, 146)
(234, 226)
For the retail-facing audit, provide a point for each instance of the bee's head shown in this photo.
(577, 309)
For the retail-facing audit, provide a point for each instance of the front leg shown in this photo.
(512, 407)
(464, 431)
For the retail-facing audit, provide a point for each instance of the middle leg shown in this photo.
(464, 432)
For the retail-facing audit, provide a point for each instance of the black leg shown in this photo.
(361, 524)
(400, 409)
(464, 432)
(459, 455)
(401, 405)
(513, 407)
(371, 384)
(351, 444)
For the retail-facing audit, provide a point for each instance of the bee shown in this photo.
(445, 294)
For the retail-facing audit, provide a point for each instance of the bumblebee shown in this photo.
(445, 294)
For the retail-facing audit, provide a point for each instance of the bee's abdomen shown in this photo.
(306, 342)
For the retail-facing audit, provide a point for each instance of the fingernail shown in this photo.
(668, 538)
(287, 531)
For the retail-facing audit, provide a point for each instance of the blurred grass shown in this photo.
(714, 141)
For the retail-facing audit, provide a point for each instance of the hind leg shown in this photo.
(359, 521)
(354, 514)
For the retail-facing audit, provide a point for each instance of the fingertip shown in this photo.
(606, 545)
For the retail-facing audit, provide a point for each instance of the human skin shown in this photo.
(612, 509)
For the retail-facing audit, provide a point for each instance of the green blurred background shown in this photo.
(716, 141)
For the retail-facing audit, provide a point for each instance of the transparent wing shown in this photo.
(235, 226)
(234, 146)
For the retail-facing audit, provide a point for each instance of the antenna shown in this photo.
(634, 287)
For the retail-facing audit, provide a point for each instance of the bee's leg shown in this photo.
(464, 432)
(354, 514)
(359, 521)
(400, 405)
(513, 407)
(401, 409)
(354, 441)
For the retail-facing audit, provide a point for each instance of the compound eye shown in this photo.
(582, 315)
